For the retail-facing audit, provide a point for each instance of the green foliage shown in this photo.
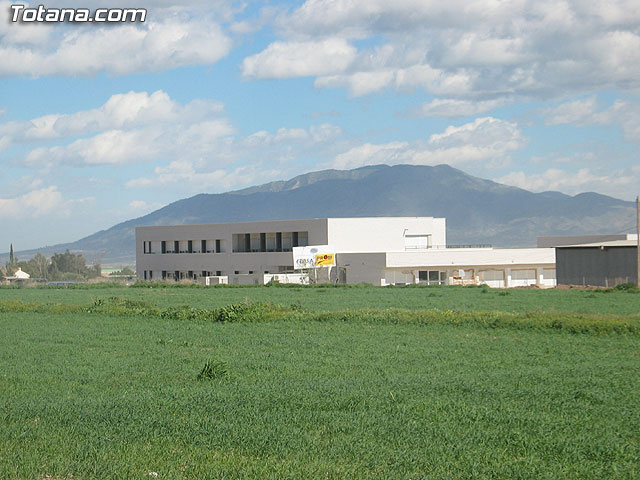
(247, 312)
(69, 266)
(12, 265)
(96, 396)
(332, 298)
(38, 266)
(214, 370)
(627, 287)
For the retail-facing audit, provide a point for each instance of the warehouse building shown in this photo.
(604, 263)
(376, 250)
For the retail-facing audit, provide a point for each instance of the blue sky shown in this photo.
(102, 124)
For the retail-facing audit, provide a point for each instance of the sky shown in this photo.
(101, 123)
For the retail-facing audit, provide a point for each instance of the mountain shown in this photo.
(478, 211)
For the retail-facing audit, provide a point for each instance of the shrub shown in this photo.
(627, 287)
(214, 370)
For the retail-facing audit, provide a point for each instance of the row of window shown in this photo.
(183, 246)
(178, 275)
(268, 241)
(194, 275)
(241, 243)
(432, 277)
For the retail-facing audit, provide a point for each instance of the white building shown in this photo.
(21, 275)
(377, 250)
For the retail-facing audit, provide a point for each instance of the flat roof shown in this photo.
(286, 220)
(611, 243)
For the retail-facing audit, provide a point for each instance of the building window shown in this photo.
(303, 239)
(270, 240)
(287, 241)
(432, 277)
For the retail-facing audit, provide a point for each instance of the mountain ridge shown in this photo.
(477, 210)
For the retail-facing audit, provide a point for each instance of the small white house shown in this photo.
(19, 274)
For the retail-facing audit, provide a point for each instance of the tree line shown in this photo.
(65, 266)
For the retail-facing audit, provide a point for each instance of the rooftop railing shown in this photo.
(443, 247)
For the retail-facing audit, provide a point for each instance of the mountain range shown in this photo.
(478, 211)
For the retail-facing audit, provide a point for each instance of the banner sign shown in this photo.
(325, 260)
(313, 256)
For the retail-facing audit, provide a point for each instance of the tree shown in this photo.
(71, 266)
(95, 271)
(38, 266)
(68, 262)
(12, 264)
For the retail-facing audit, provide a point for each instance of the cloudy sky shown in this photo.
(100, 124)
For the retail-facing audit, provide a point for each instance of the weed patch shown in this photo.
(214, 370)
(264, 312)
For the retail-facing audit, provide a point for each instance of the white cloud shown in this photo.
(121, 111)
(487, 141)
(188, 176)
(625, 114)
(576, 112)
(466, 49)
(129, 128)
(142, 206)
(456, 108)
(38, 203)
(617, 183)
(240, 162)
(169, 38)
(300, 59)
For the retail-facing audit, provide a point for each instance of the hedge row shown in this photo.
(261, 311)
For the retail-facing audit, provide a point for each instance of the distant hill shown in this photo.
(477, 210)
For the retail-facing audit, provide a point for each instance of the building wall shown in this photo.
(498, 268)
(605, 267)
(379, 251)
(225, 261)
(383, 234)
(362, 267)
(342, 234)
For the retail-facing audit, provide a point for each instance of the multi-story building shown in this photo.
(377, 250)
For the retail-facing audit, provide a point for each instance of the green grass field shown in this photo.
(344, 297)
(92, 387)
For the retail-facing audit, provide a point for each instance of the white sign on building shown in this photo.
(313, 256)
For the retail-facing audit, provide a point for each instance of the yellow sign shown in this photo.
(325, 259)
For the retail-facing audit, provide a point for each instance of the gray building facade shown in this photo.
(604, 264)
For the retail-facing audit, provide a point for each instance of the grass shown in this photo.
(97, 387)
(321, 298)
